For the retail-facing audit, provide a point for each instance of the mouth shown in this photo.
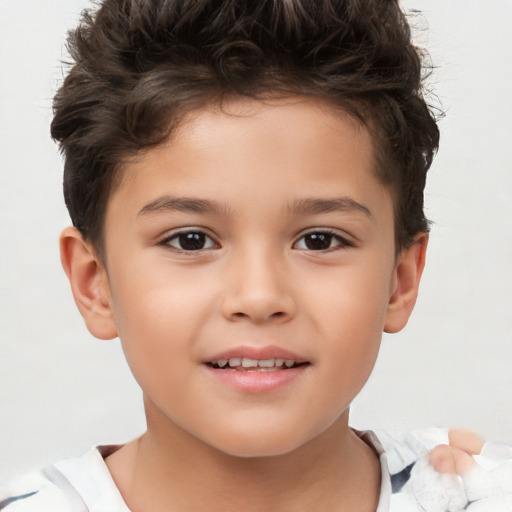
(246, 364)
(257, 370)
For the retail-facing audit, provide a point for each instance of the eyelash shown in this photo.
(178, 234)
(200, 237)
(342, 242)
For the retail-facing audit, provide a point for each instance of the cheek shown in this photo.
(152, 297)
(348, 317)
(351, 337)
(158, 321)
(352, 300)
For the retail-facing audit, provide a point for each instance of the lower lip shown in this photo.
(257, 381)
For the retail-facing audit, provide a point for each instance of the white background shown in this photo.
(61, 391)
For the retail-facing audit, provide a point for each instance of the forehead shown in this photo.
(282, 129)
(283, 150)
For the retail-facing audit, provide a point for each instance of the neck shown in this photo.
(168, 469)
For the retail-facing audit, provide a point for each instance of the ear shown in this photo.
(89, 283)
(406, 281)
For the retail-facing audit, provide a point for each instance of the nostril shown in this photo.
(276, 315)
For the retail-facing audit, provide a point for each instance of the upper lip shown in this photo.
(259, 353)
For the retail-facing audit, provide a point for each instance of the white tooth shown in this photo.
(266, 363)
(279, 362)
(249, 363)
(289, 363)
(235, 361)
(222, 362)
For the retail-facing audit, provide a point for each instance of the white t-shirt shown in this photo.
(409, 483)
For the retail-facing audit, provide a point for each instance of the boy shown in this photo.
(246, 185)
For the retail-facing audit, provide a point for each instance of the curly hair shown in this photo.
(140, 65)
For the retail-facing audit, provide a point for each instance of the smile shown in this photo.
(256, 370)
(245, 364)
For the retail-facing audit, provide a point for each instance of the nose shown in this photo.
(258, 289)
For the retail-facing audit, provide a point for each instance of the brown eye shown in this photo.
(321, 241)
(191, 241)
(318, 241)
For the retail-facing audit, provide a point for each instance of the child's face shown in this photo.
(257, 232)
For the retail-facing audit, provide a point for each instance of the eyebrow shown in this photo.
(319, 205)
(184, 204)
(299, 207)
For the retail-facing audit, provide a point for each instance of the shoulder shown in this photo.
(35, 491)
(417, 486)
(82, 484)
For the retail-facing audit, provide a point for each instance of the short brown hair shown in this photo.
(139, 65)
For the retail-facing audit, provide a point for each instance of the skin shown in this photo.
(456, 458)
(269, 168)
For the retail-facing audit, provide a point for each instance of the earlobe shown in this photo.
(407, 275)
(89, 283)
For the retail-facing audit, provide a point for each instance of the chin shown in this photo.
(264, 443)
(264, 450)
